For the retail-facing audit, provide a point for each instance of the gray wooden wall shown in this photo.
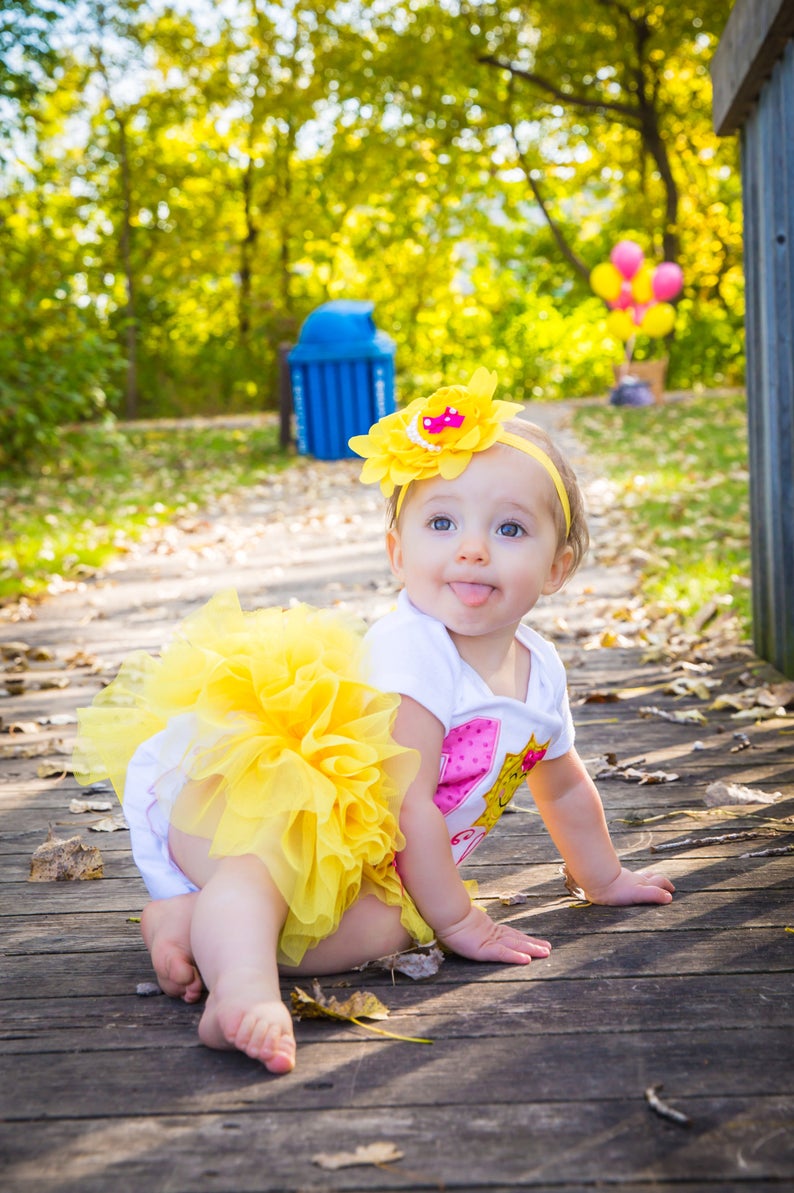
(753, 72)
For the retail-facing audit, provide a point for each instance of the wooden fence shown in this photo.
(753, 77)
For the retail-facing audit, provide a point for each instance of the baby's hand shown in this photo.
(633, 887)
(477, 937)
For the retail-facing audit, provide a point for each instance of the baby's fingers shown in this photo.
(517, 948)
(651, 892)
(660, 880)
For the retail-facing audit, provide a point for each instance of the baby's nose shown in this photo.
(474, 547)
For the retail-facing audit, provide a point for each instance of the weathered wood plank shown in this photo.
(710, 909)
(106, 971)
(736, 1144)
(754, 37)
(103, 1022)
(360, 1073)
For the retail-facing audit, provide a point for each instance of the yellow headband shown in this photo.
(438, 435)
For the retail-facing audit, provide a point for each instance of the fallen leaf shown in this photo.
(691, 687)
(59, 860)
(691, 716)
(719, 794)
(361, 1004)
(422, 962)
(110, 824)
(90, 805)
(369, 1153)
(48, 770)
(636, 774)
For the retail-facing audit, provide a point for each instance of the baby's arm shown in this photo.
(572, 811)
(427, 866)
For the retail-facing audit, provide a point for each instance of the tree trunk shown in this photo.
(247, 247)
(131, 393)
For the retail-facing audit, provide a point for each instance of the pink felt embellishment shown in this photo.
(467, 754)
(450, 418)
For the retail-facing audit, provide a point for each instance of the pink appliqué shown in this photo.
(531, 758)
(466, 755)
(450, 418)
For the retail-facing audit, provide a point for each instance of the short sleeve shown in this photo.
(411, 654)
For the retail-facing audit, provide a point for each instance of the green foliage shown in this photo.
(110, 485)
(196, 180)
(680, 474)
(54, 367)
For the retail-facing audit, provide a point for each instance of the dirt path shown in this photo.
(311, 533)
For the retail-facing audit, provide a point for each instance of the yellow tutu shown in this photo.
(304, 771)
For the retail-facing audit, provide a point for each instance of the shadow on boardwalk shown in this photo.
(536, 1078)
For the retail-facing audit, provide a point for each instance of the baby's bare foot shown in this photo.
(241, 1014)
(165, 927)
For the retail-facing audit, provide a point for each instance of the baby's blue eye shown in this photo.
(510, 530)
(440, 523)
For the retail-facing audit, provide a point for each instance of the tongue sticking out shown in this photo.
(472, 595)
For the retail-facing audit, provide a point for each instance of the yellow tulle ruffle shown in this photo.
(292, 757)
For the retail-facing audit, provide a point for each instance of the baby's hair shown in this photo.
(578, 537)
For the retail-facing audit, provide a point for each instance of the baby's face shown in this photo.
(478, 551)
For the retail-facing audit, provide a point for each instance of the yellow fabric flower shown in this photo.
(434, 436)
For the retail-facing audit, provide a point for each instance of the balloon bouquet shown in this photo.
(637, 294)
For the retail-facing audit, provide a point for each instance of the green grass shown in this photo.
(680, 473)
(110, 485)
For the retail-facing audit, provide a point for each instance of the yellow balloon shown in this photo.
(642, 285)
(658, 321)
(606, 281)
(621, 325)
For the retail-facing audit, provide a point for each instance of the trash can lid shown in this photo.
(341, 328)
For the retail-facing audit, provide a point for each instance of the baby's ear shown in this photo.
(394, 552)
(558, 573)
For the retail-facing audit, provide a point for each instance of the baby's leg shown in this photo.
(234, 931)
(165, 927)
(368, 930)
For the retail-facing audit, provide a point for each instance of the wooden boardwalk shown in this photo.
(536, 1078)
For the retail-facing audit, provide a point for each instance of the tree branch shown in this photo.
(568, 253)
(630, 113)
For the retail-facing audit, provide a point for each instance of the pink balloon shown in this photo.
(627, 257)
(639, 311)
(667, 280)
(625, 298)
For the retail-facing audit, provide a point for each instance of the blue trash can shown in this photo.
(342, 377)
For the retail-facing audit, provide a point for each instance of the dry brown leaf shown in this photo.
(701, 688)
(360, 1005)
(369, 1153)
(60, 860)
(418, 963)
(635, 774)
(49, 770)
(602, 698)
(90, 805)
(20, 727)
(110, 824)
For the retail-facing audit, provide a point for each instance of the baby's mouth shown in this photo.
(472, 595)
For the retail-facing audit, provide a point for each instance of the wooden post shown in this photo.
(753, 72)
